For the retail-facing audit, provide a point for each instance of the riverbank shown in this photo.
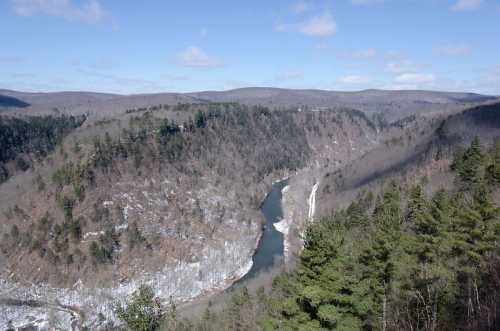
(267, 261)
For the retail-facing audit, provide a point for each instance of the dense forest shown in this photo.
(399, 260)
(22, 139)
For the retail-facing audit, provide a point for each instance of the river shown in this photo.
(269, 252)
(267, 259)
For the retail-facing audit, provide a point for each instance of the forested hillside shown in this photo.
(168, 196)
(398, 260)
(26, 139)
(78, 231)
(403, 260)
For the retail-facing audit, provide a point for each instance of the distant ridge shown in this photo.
(10, 102)
(393, 104)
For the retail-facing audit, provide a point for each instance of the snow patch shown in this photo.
(92, 234)
(312, 202)
(121, 227)
(283, 226)
(280, 180)
(217, 269)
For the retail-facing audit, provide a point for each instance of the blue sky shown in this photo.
(159, 45)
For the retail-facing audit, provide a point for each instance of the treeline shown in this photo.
(268, 140)
(399, 260)
(181, 106)
(33, 136)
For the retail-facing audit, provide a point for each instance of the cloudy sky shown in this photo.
(160, 45)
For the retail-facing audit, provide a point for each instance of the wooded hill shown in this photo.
(398, 260)
(86, 215)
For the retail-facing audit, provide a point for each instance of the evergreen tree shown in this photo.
(494, 169)
(143, 313)
(470, 171)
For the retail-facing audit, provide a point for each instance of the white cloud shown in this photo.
(302, 7)
(317, 26)
(90, 11)
(196, 57)
(453, 50)
(354, 80)
(467, 5)
(290, 75)
(415, 78)
(365, 54)
(401, 66)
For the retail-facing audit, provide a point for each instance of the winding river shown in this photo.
(269, 252)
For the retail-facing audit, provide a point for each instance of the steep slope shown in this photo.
(172, 206)
(396, 259)
(417, 252)
(169, 195)
(422, 150)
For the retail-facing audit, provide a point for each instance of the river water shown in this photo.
(267, 259)
(269, 252)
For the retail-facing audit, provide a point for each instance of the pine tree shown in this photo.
(472, 162)
(143, 313)
(417, 205)
(458, 160)
(426, 228)
(387, 210)
(494, 168)
(379, 272)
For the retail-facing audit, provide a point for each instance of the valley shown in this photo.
(170, 195)
(294, 165)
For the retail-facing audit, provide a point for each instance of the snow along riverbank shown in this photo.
(217, 270)
(312, 202)
(286, 223)
(283, 226)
